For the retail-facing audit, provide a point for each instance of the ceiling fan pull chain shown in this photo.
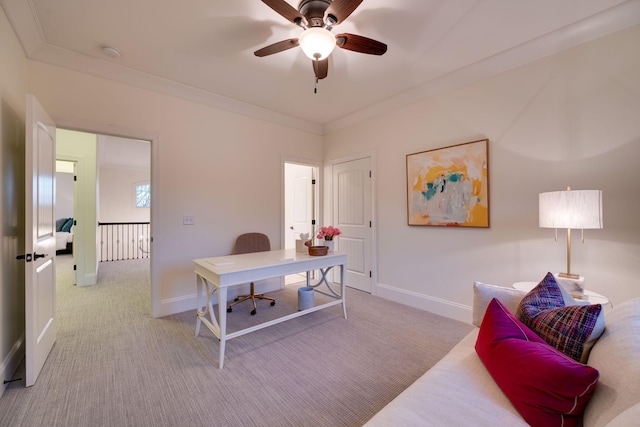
(315, 89)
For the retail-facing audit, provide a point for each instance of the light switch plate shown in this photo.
(188, 220)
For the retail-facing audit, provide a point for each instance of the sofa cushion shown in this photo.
(547, 387)
(549, 311)
(617, 356)
(457, 391)
(628, 418)
(483, 294)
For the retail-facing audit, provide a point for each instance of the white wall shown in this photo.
(122, 164)
(13, 91)
(117, 194)
(220, 167)
(571, 119)
(64, 195)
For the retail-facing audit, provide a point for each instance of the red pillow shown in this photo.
(547, 387)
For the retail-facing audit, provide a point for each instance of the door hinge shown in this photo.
(369, 174)
(313, 181)
(74, 267)
(75, 177)
(370, 275)
(369, 224)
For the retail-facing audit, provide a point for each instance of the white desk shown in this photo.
(220, 273)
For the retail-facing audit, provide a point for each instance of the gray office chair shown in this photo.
(247, 243)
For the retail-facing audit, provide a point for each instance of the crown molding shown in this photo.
(22, 16)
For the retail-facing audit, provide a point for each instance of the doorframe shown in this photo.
(317, 192)
(328, 207)
(155, 212)
(79, 231)
(76, 209)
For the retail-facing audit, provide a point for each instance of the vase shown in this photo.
(329, 243)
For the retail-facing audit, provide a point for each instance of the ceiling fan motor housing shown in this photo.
(313, 11)
(317, 18)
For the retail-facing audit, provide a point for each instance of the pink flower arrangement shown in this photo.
(328, 233)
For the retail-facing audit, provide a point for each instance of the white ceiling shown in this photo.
(202, 50)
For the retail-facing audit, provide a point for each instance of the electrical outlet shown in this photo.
(188, 220)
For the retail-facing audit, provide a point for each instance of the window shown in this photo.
(143, 196)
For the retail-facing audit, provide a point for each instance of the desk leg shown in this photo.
(198, 305)
(222, 316)
(343, 269)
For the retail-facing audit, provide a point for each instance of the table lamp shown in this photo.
(578, 209)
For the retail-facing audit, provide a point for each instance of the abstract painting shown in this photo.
(449, 186)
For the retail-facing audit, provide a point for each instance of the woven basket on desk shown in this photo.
(316, 250)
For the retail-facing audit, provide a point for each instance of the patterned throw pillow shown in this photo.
(572, 329)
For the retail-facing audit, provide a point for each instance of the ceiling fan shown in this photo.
(317, 18)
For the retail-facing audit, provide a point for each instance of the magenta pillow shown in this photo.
(572, 329)
(547, 387)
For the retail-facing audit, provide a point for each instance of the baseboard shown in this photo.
(12, 361)
(439, 306)
(87, 280)
(188, 302)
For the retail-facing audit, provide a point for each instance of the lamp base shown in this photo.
(573, 285)
(569, 275)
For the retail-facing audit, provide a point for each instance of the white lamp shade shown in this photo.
(317, 43)
(579, 209)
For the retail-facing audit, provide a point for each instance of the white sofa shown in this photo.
(459, 391)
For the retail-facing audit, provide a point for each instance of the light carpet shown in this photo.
(114, 365)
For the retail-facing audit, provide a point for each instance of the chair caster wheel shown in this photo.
(253, 312)
(229, 310)
(236, 298)
(273, 303)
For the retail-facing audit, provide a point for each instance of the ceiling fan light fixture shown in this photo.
(317, 43)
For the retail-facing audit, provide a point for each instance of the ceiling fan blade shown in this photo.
(286, 10)
(321, 68)
(360, 44)
(276, 47)
(341, 9)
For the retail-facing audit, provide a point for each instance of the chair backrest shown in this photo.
(251, 242)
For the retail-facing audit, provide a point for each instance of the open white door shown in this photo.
(299, 207)
(40, 245)
(352, 214)
(299, 202)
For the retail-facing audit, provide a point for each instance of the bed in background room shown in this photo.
(64, 236)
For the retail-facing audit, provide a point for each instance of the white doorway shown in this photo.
(108, 168)
(300, 206)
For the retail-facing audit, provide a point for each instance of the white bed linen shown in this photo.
(62, 238)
